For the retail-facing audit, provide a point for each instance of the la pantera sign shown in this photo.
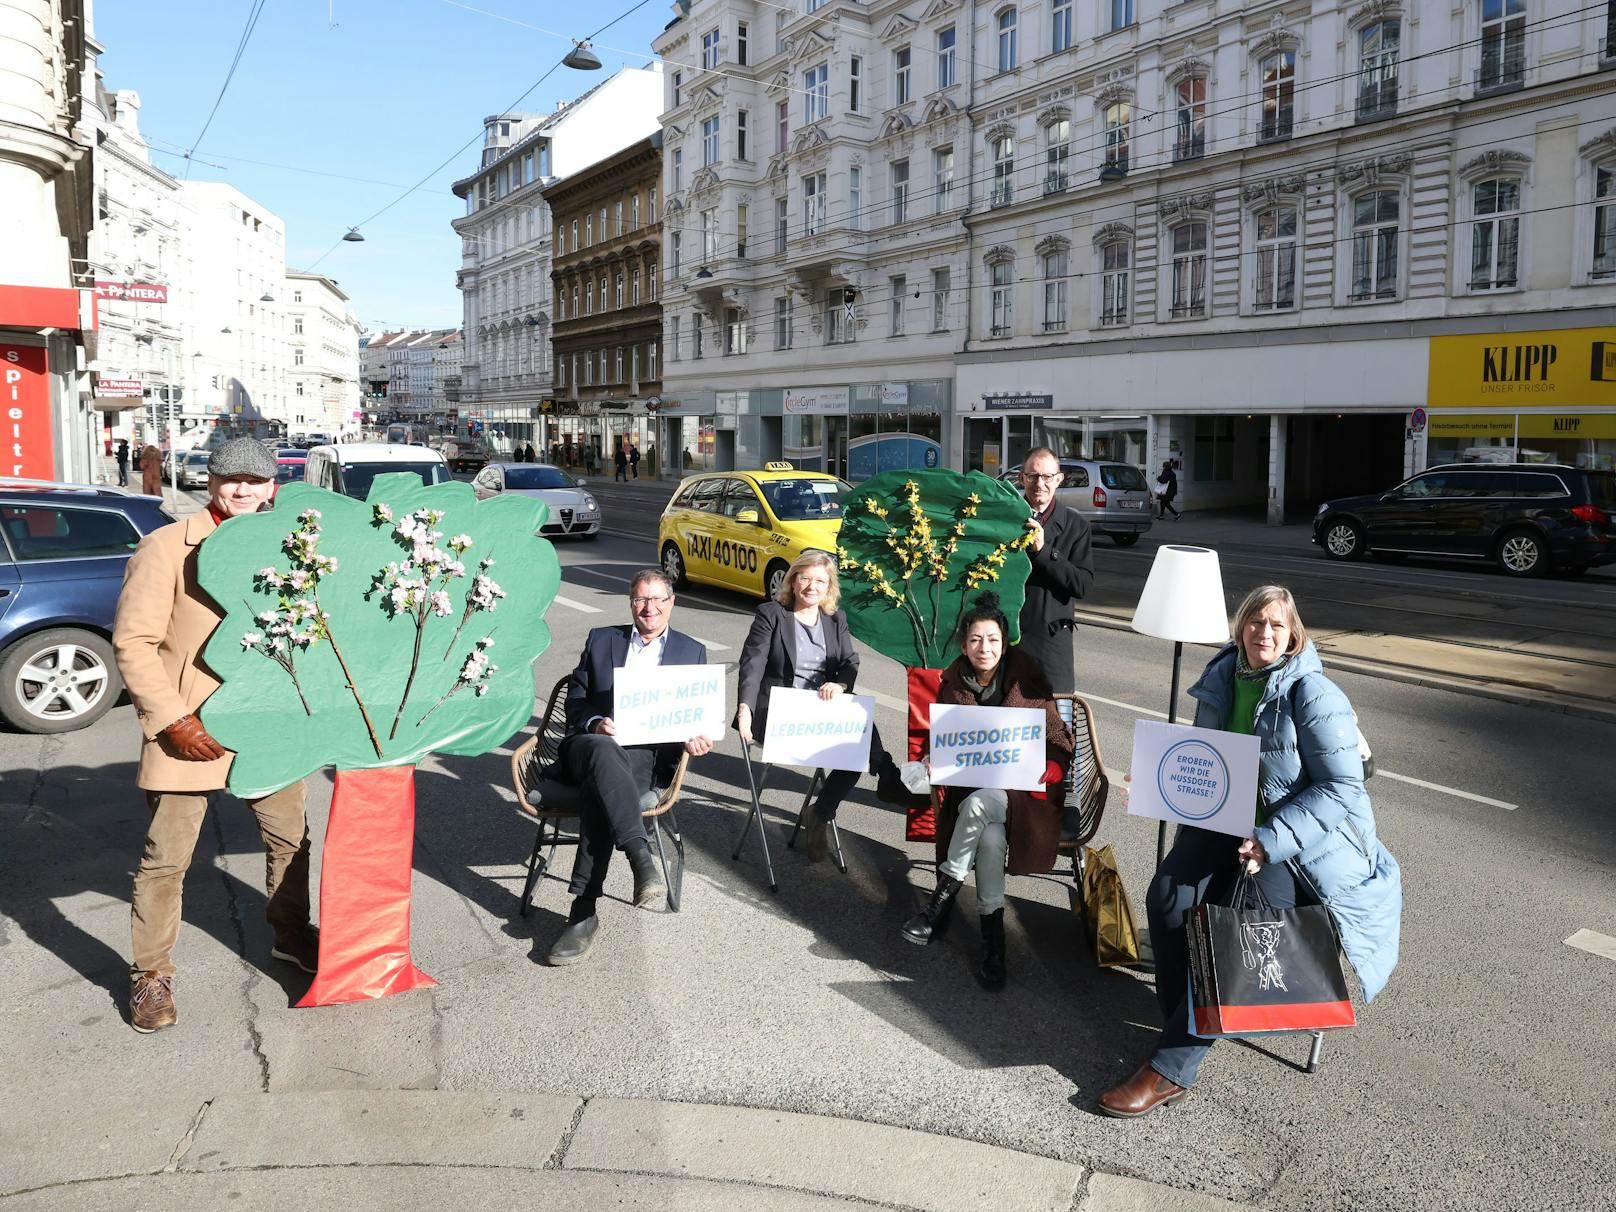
(987, 747)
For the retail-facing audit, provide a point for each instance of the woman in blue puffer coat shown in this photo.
(1313, 816)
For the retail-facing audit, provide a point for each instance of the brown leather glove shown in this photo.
(192, 740)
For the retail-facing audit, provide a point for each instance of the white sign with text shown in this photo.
(653, 706)
(806, 730)
(1195, 776)
(987, 747)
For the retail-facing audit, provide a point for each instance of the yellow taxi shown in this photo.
(742, 529)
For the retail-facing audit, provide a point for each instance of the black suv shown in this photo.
(1525, 517)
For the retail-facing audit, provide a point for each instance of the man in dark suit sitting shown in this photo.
(1062, 571)
(613, 778)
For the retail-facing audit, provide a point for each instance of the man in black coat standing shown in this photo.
(1062, 571)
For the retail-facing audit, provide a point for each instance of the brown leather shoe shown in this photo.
(1140, 1095)
(151, 1003)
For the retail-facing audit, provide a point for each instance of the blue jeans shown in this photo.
(1201, 866)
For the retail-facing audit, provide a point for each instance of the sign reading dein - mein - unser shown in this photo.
(1195, 776)
(987, 747)
(668, 703)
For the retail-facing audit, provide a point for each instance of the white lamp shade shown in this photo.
(1183, 597)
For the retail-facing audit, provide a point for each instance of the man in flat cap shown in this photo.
(164, 621)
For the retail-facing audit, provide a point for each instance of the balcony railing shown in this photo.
(1001, 194)
(1277, 124)
(1055, 183)
(1189, 146)
(1501, 70)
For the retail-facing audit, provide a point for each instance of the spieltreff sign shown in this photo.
(27, 449)
(1194, 776)
(999, 747)
(669, 703)
(131, 292)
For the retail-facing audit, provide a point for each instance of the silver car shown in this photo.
(573, 511)
(1113, 497)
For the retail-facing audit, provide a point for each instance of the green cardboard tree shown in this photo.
(366, 635)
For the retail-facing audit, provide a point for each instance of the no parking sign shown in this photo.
(1195, 776)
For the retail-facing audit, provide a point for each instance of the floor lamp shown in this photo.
(1183, 602)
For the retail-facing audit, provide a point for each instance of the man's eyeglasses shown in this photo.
(1047, 477)
(638, 602)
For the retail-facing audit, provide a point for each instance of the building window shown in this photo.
(1377, 69)
(900, 190)
(673, 338)
(678, 89)
(651, 280)
(939, 299)
(782, 322)
(1004, 169)
(574, 311)
(1190, 97)
(838, 317)
(740, 135)
(781, 224)
(617, 365)
(1116, 258)
(695, 335)
(1121, 14)
(1503, 43)
(813, 204)
(901, 59)
(651, 360)
(855, 197)
(734, 331)
(945, 57)
(634, 364)
(709, 236)
(1278, 95)
(1054, 267)
(1057, 150)
(634, 287)
(589, 297)
(709, 140)
(1495, 234)
(617, 293)
(589, 229)
(297, 326)
(942, 166)
(300, 389)
(782, 126)
(1007, 40)
(815, 93)
(1374, 245)
(1002, 316)
(855, 85)
(898, 286)
(1060, 34)
(1276, 259)
(676, 244)
(1188, 297)
(1117, 116)
(1604, 261)
(740, 230)
(617, 218)
(678, 181)
(709, 50)
(634, 212)
(740, 43)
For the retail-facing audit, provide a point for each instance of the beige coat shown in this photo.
(164, 619)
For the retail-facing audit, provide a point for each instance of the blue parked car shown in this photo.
(61, 568)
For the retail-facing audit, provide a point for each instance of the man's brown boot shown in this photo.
(151, 1003)
(1141, 1094)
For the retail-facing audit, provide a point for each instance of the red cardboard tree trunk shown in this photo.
(921, 823)
(365, 889)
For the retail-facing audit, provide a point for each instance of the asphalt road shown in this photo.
(1479, 1079)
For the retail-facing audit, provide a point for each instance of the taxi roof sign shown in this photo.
(778, 466)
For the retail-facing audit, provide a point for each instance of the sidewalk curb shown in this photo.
(55, 1157)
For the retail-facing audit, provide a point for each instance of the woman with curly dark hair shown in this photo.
(991, 829)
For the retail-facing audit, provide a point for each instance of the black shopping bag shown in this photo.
(1260, 969)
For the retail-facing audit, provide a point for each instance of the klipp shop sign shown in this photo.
(1561, 367)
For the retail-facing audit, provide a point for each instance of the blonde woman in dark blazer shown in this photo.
(800, 640)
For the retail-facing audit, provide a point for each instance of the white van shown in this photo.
(351, 467)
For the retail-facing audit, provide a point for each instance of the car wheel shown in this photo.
(1521, 553)
(673, 563)
(58, 681)
(1125, 540)
(774, 579)
(1344, 540)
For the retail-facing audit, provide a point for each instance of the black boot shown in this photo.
(931, 921)
(889, 788)
(992, 969)
(650, 889)
(578, 937)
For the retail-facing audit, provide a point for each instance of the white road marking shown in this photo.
(1379, 773)
(711, 645)
(1593, 943)
(581, 607)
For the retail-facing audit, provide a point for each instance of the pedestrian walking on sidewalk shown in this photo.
(1315, 832)
(621, 459)
(992, 829)
(634, 460)
(151, 471)
(163, 622)
(1166, 491)
(123, 463)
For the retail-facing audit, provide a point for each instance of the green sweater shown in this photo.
(1248, 693)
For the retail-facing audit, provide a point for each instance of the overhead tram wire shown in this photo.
(255, 11)
(450, 159)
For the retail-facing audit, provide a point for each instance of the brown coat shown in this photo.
(151, 471)
(164, 619)
(1033, 825)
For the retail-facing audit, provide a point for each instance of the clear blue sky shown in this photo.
(384, 94)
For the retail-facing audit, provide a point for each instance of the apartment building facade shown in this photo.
(324, 339)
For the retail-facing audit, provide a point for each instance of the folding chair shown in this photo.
(755, 813)
(548, 801)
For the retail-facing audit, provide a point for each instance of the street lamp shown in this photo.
(581, 58)
(225, 329)
(266, 297)
(352, 236)
(704, 272)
